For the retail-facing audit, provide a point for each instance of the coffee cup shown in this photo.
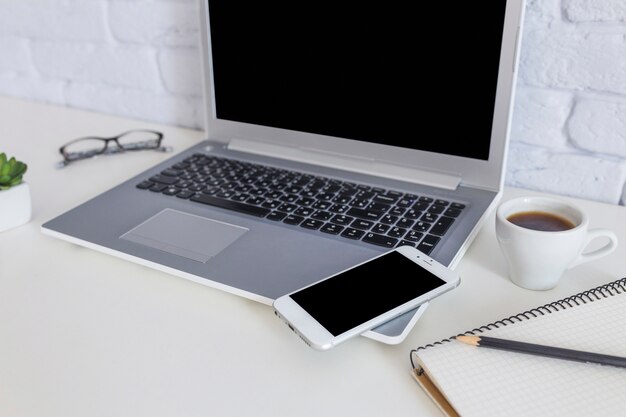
(543, 237)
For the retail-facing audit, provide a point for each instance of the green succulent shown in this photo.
(11, 172)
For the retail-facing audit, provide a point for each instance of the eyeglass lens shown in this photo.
(84, 148)
(138, 139)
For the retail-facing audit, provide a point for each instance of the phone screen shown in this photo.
(355, 296)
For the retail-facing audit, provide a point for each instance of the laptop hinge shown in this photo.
(348, 163)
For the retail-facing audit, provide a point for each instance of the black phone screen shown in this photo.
(362, 293)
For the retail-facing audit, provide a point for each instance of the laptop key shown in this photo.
(385, 199)
(436, 209)
(396, 232)
(145, 185)
(304, 211)
(211, 190)
(196, 187)
(272, 204)
(338, 208)
(422, 226)
(413, 236)
(308, 193)
(157, 188)
(292, 190)
(331, 228)
(342, 220)
(364, 214)
(162, 179)
(420, 206)
(342, 199)
(231, 205)
(255, 200)
(380, 228)
(365, 195)
(362, 224)
(185, 194)
(322, 215)
(429, 217)
(240, 197)
(380, 240)
(287, 208)
(273, 194)
(293, 219)
(276, 216)
(396, 211)
(388, 219)
(325, 196)
(394, 193)
(322, 205)
(412, 214)
(225, 194)
(441, 226)
(405, 202)
(305, 201)
(378, 207)
(171, 191)
(289, 198)
(452, 212)
(312, 224)
(428, 244)
(404, 222)
(352, 233)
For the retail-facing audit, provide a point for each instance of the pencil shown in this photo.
(541, 350)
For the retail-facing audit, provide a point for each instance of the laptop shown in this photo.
(336, 131)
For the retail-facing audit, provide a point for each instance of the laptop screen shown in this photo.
(377, 72)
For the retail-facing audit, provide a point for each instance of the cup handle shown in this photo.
(598, 253)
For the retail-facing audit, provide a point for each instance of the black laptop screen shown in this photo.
(415, 75)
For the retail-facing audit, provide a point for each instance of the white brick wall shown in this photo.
(136, 58)
(141, 58)
(569, 126)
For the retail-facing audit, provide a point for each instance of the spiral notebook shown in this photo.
(471, 381)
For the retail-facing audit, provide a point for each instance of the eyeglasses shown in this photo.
(133, 140)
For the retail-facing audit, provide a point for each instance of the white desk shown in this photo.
(83, 334)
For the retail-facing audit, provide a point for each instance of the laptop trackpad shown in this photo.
(184, 234)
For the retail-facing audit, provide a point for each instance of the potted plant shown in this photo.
(15, 205)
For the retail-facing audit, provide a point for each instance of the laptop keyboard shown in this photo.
(373, 215)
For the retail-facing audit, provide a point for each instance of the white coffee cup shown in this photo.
(538, 258)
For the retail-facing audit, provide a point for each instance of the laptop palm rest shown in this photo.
(187, 235)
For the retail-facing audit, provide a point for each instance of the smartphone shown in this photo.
(359, 298)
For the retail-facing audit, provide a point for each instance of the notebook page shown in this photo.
(487, 382)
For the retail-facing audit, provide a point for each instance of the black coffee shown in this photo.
(539, 220)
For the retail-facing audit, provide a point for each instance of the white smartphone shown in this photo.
(350, 302)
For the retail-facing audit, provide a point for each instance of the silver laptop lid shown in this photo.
(374, 89)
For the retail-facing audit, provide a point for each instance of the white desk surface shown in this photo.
(87, 334)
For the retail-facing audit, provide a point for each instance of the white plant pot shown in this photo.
(15, 206)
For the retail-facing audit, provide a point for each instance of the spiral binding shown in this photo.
(594, 294)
